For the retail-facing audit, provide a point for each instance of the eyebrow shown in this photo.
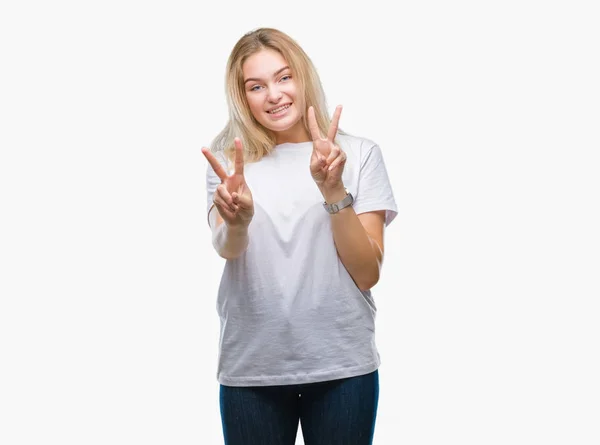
(275, 74)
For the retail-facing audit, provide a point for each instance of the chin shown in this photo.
(286, 125)
(279, 129)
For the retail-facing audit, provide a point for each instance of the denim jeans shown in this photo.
(336, 412)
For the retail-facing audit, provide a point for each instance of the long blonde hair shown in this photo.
(256, 139)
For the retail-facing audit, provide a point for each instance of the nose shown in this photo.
(274, 95)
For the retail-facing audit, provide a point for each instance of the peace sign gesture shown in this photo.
(327, 160)
(232, 198)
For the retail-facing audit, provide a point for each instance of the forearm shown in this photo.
(229, 241)
(360, 254)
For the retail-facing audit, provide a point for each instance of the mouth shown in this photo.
(279, 109)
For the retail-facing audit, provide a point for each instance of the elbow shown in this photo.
(224, 255)
(230, 252)
(369, 277)
(229, 255)
(368, 282)
(367, 286)
(371, 272)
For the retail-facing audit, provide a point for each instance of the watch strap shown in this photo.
(337, 206)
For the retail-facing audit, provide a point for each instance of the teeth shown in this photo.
(277, 110)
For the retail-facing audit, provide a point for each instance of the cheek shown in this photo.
(298, 100)
(290, 90)
(255, 103)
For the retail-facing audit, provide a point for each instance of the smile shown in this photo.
(279, 109)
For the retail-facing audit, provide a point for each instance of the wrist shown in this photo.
(333, 194)
(238, 228)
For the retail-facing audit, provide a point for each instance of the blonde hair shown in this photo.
(256, 139)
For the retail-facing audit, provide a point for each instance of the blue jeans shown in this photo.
(336, 412)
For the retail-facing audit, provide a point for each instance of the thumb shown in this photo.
(244, 200)
(317, 159)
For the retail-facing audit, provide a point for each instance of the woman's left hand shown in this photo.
(328, 159)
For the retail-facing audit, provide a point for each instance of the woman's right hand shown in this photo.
(232, 198)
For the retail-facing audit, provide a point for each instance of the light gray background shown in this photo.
(487, 114)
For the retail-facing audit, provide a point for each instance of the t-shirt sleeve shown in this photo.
(374, 191)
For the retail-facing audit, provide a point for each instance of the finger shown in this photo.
(239, 156)
(317, 158)
(312, 124)
(242, 200)
(335, 152)
(224, 195)
(219, 201)
(333, 128)
(216, 166)
(339, 161)
(224, 211)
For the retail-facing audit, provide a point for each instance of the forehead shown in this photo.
(263, 63)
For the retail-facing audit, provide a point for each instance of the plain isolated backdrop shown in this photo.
(487, 114)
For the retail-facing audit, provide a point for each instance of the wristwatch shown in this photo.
(337, 206)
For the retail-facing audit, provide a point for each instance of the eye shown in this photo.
(254, 88)
(286, 77)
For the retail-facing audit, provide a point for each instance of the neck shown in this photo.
(294, 135)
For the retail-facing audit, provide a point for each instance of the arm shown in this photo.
(235, 208)
(358, 240)
(230, 241)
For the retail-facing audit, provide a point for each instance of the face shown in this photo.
(271, 92)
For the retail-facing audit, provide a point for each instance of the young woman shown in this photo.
(298, 209)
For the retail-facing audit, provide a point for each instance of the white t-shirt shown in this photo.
(290, 312)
